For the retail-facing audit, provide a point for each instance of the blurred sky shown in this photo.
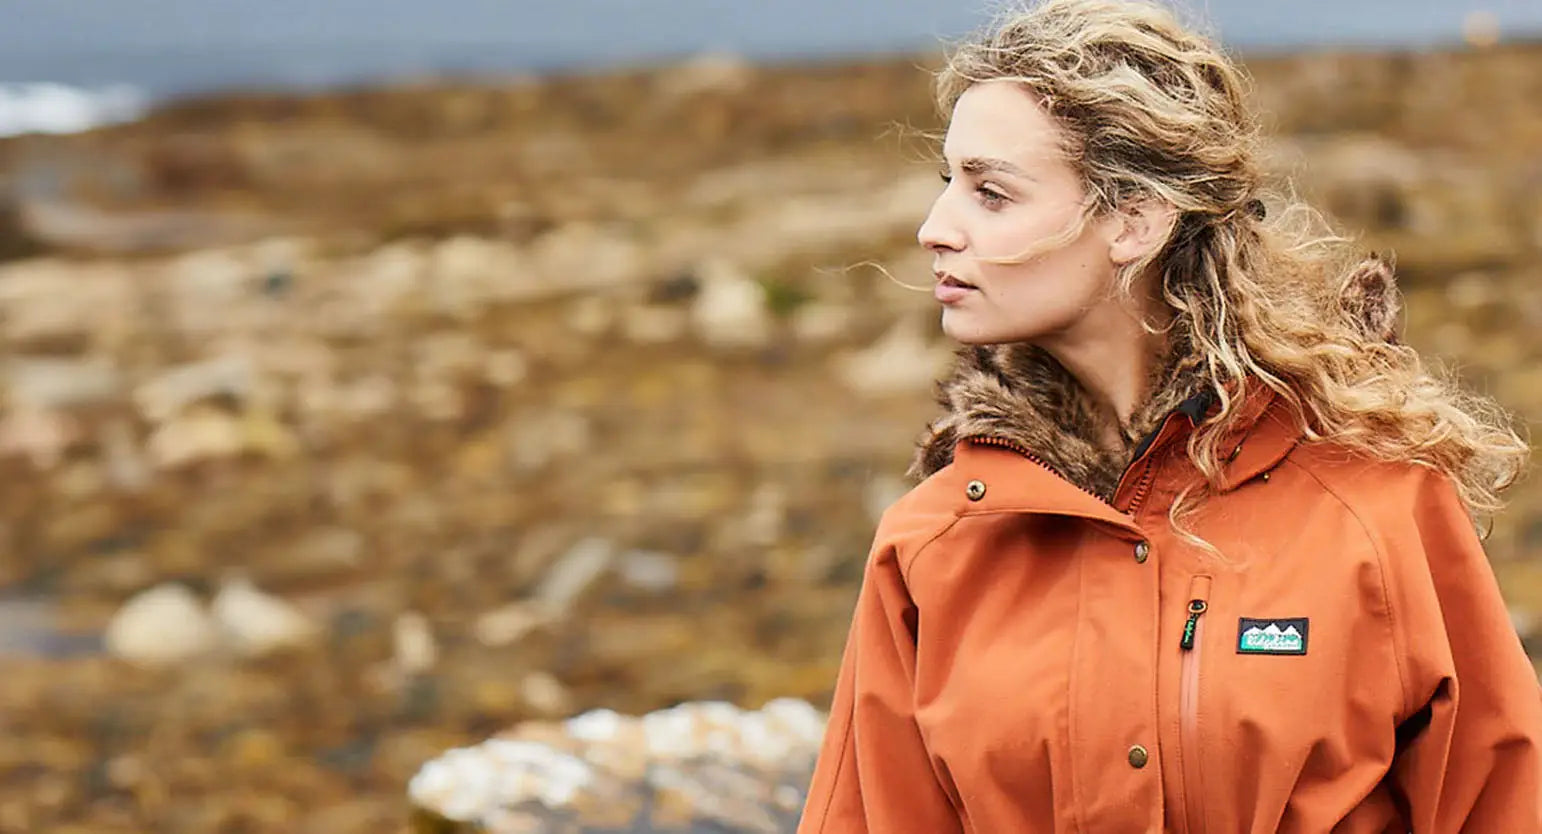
(176, 45)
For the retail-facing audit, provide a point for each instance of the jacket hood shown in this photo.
(1019, 393)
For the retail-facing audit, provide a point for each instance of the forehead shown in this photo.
(1001, 119)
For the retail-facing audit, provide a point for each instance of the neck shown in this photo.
(1113, 359)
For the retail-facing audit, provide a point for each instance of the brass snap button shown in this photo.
(1142, 552)
(1139, 757)
(975, 490)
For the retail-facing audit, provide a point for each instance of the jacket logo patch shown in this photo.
(1271, 636)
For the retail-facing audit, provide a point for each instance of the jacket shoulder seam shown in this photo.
(1382, 569)
(906, 566)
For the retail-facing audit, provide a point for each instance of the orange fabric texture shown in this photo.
(1025, 657)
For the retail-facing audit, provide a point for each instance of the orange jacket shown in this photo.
(1028, 658)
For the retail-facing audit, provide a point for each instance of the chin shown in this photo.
(967, 330)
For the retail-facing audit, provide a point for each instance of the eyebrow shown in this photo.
(978, 165)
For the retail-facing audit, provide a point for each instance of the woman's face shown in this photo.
(1009, 190)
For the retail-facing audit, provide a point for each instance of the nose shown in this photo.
(938, 233)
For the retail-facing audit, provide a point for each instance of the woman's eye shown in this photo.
(988, 195)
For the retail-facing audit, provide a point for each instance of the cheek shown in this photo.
(1011, 234)
(1028, 227)
(1077, 268)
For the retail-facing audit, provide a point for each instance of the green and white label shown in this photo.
(1277, 636)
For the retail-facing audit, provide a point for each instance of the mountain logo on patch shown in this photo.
(1277, 636)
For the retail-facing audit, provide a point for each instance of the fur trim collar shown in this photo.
(1021, 394)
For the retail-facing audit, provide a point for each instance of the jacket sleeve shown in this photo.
(874, 773)
(1470, 750)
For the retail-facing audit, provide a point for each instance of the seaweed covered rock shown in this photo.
(16, 240)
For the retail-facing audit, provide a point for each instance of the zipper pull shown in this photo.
(1196, 608)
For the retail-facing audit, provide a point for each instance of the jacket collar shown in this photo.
(1018, 396)
(1266, 431)
(1195, 408)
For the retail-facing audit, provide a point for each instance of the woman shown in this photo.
(1194, 549)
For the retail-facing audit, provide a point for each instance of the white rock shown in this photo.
(47, 383)
(46, 302)
(210, 276)
(597, 725)
(798, 717)
(545, 694)
(767, 516)
(281, 254)
(574, 573)
(162, 626)
(1481, 29)
(708, 72)
(650, 571)
(825, 222)
(202, 435)
(327, 400)
(256, 623)
(901, 362)
(730, 311)
(467, 272)
(127, 468)
(230, 375)
(508, 624)
(415, 651)
(383, 280)
(578, 256)
(725, 761)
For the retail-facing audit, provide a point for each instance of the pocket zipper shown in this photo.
(1191, 644)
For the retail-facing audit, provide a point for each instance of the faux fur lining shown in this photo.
(1020, 393)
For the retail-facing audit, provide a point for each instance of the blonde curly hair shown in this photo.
(1263, 289)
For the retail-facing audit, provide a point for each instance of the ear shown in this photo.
(1140, 228)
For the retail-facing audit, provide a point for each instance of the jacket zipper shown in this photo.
(1191, 644)
(1142, 486)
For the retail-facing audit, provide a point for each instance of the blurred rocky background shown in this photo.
(342, 429)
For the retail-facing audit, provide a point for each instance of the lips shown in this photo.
(951, 290)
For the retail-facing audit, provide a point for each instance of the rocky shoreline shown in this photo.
(459, 408)
(691, 767)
